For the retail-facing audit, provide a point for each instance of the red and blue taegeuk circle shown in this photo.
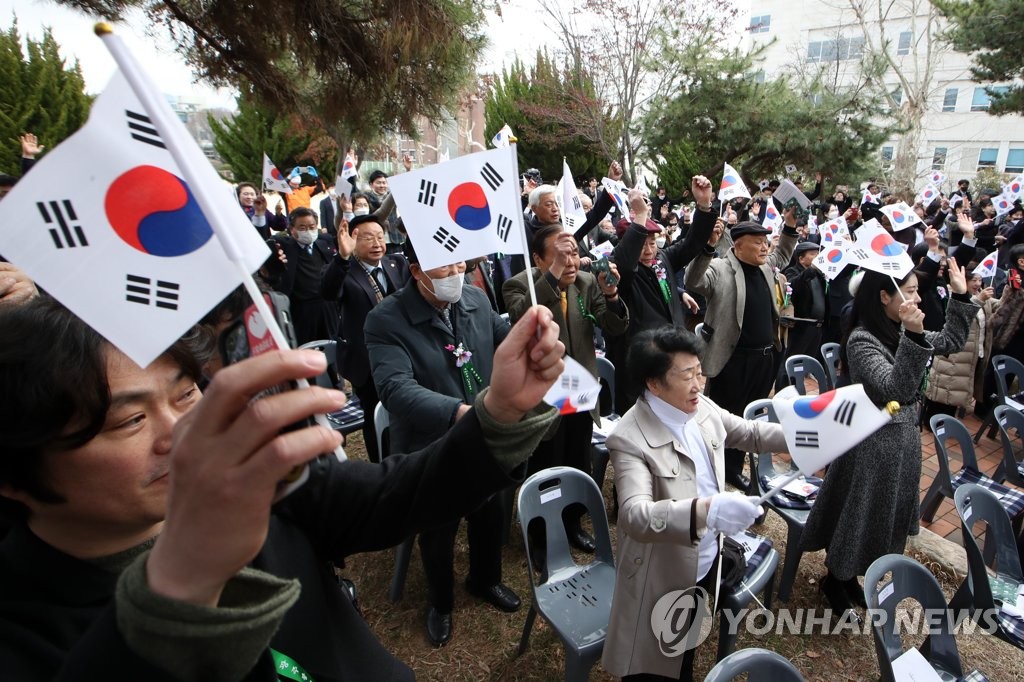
(728, 180)
(834, 256)
(811, 407)
(884, 245)
(153, 211)
(467, 206)
(899, 217)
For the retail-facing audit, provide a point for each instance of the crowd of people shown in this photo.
(127, 543)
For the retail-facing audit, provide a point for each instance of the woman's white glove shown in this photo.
(732, 512)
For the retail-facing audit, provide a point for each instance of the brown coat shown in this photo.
(656, 482)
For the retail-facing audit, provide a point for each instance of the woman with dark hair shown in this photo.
(868, 504)
(668, 452)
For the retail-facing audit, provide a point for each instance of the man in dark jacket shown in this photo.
(809, 296)
(188, 572)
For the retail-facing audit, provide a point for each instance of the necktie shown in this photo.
(565, 306)
(378, 275)
(446, 317)
(309, 249)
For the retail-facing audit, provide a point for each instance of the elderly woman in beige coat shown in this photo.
(668, 455)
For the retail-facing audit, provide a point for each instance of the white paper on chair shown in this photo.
(748, 541)
(911, 666)
(1014, 404)
(606, 426)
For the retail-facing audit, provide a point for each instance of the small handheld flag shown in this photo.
(573, 215)
(272, 178)
(988, 265)
(937, 178)
(576, 390)
(900, 215)
(619, 193)
(927, 195)
(502, 138)
(875, 249)
(732, 185)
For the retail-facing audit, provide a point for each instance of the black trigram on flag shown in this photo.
(890, 267)
(142, 129)
(844, 413)
(504, 226)
(831, 269)
(61, 217)
(576, 202)
(571, 383)
(147, 292)
(491, 176)
(859, 254)
(428, 192)
(446, 239)
(807, 439)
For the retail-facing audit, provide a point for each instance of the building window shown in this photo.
(987, 157)
(840, 49)
(897, 95)
(903, 46)
(887, 153)
(758, 76)
(949, 99)
(981, 99)
(760, 24)
(939, 158)
(1015, 161)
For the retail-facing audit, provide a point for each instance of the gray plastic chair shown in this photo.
(1010, 469)
(799, 367)
(574, 599)
(796, 519)
(910, 580)
(760, 665)
(1005, 368)
(403, 553)
(758, 578)
(944, 429)
(330, 378)
(830, 354)
(599, 451)
(975, 503)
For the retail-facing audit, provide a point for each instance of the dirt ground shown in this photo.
(485, 640)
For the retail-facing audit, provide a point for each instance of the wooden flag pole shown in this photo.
(164, 120)
(522, 225)
(898, 290)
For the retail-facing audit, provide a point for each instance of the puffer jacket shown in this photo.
(952, 378)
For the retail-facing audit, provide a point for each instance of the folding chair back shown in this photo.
(830, 354)
(1011, 422)
(329, 378)
(1006, 368)
(910, 580)
(606, 375)
(760, 665)
(799, 367)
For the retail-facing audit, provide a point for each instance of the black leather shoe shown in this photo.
(855, 592)
(835, 593)
(737, 480)
(497, 595)
(439, 627)
(582, 540)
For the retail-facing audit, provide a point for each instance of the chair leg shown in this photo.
(932, 501)
(792, 561)
(524, 640)
(985, 424)
(577, 667)
(599, 460)
(769, 587)
(402, 556)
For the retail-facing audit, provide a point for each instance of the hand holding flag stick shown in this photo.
(202, 181)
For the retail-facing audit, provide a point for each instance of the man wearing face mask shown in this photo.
(298, 278)
(431, 348)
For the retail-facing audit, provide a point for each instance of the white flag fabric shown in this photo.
(641, 184)
(927, 195)
(988, 265)
(348, 168)
(112, 231)
(732, 185)
(575, 391)
(573, 215)
(837, 227)
(1015, 188)
(869, 198)
(790, 169)
(444, 156)
(833, 258)
(272, 178)
(772, 218)
(343, 186)
(900, 215)
(461, 209)
(1003, 204)
(937, 178)
(501, 138)
(619, 193)
(820, 428)
(875, 249)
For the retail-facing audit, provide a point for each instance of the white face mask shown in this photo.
(306, 237)
(660, 241)
(362, 211)
(448, 289)
(833, 213)
(349, 215)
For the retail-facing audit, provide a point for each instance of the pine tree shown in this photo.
(41, 95)
(242, 140)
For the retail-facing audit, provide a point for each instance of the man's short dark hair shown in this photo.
(651, 352)
(377, 174)
(7, 180)
(541, 236)
(54, 395)
(243, 185)
(302, 212)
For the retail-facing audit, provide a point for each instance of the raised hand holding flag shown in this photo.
(619, 193)
(272, 178)
(988, 265)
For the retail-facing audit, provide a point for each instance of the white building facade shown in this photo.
(958, 136)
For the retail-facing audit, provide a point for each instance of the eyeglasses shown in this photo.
(371, 239)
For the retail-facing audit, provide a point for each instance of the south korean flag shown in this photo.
(461, 209)
(110, 228)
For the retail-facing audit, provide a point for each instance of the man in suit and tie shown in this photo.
(579, 301)
(359, 277)
(431, 348)
(306, 254)
(327, 212)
